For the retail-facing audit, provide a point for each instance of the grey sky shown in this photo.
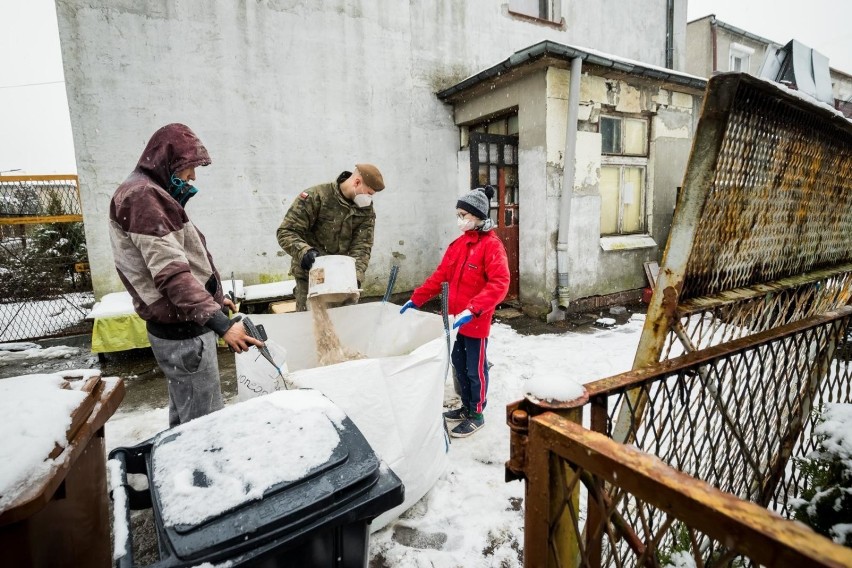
(34, 113)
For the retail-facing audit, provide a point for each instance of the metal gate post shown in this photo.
(551, 535)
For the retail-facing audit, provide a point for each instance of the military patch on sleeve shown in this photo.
(303, 195)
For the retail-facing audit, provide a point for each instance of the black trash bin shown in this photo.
(319, 520)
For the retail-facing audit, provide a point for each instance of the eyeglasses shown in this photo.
(461, 216)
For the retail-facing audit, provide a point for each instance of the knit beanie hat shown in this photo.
(477, 201)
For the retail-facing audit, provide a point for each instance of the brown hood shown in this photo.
(171, 149)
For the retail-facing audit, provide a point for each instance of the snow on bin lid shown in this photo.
(39, 412)
(222, 460)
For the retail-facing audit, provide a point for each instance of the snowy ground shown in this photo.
(471, 517)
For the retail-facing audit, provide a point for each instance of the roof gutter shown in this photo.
(566, 52)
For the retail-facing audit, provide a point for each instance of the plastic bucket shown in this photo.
(333, 278)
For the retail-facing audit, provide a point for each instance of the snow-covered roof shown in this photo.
(548, 48)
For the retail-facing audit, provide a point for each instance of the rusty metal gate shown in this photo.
(45, 287)
(745, 337)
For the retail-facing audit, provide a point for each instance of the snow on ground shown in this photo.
(471, 517)
(36, 352)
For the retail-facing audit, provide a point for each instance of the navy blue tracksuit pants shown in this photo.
(471, 371)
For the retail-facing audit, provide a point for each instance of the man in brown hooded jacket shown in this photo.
(163, 261)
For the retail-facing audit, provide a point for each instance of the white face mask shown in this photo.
(362, 199)
(465, 225)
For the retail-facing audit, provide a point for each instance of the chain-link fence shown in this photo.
(45, 287)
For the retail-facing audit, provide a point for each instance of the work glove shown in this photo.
(308, 259)
(406, 305)
(462, 319)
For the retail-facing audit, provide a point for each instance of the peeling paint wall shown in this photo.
(594, 271)
(286, 94)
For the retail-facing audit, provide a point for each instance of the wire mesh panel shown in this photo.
(763, 233)
(739, 416)
(45, 288)
(640, 512)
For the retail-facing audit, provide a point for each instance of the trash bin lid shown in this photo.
(48, 419)
(272, 464)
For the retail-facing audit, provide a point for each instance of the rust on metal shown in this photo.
(746, 527)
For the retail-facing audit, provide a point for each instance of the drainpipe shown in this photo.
(568, 156)
(670, 34)
(713, 43)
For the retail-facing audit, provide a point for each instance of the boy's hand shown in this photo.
(462, 319)
(408, 304)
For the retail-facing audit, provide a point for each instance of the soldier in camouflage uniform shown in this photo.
(331, 218)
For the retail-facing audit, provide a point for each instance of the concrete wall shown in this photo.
(286, 94)
(699, 47)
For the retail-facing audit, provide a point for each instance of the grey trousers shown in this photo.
(192, 370)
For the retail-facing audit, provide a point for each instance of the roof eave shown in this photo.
(549, 48)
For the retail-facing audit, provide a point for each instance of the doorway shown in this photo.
(494, 161)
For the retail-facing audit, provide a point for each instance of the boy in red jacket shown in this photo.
(477, 270)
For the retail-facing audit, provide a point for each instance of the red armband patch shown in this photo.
(304, 195)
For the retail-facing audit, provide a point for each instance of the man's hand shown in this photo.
(308, 259)
(406, 305)
(238, 340)
(462, 319)
(229, 303)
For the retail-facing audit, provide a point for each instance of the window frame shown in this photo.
(549, 11)
(623, 160)
(622, 119)
(741, 52)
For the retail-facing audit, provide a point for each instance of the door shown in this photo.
(494, 161)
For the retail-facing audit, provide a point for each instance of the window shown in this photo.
(624, 145)
(506, 125)
(626, 136)
(740, 57)
(538, 9)
(622, 199)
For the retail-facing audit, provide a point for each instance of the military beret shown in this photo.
(371, 176)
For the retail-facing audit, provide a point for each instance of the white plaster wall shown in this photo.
(285, 94)
(699, 48)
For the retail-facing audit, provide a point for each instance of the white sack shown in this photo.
(256, 376)
(394, 397)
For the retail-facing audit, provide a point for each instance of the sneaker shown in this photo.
(467, 427)
(458, 415)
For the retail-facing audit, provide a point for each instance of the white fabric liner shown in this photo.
(394, 396)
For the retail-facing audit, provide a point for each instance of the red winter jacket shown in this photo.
(476, 267)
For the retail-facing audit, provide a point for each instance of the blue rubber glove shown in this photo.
(462, 319)
(408, 304)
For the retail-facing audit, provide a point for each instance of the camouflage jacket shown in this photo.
(323, 219)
